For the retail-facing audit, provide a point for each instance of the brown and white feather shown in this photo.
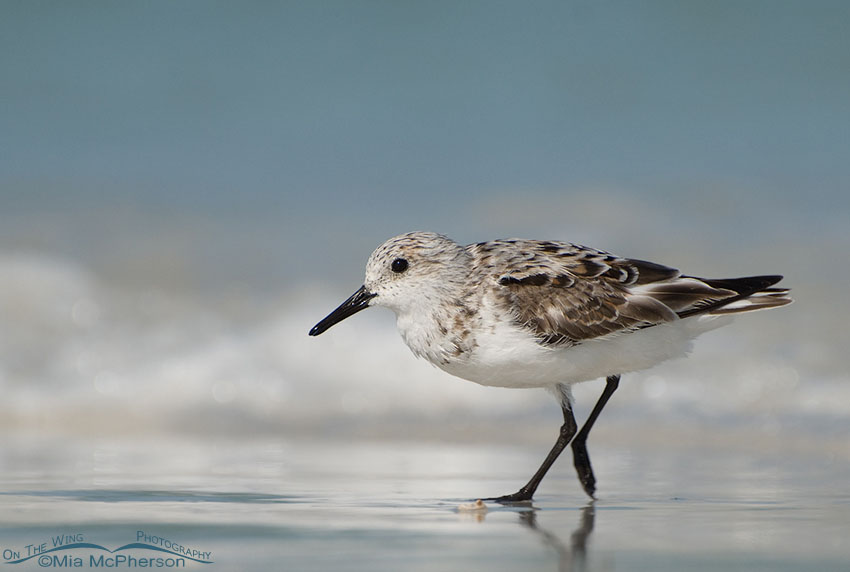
(565, 293)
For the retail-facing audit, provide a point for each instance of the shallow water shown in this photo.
(340, 505)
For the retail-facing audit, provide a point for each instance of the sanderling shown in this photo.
(530, 313)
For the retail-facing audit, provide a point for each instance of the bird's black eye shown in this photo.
(399, 265)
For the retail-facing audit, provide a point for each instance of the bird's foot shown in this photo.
(581, 461)
(521, 496)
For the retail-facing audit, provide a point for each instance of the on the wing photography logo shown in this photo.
(76, 551)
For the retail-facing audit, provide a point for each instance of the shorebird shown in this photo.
(544, 314)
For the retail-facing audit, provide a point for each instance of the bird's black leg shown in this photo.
(568, 429)
(581, 460)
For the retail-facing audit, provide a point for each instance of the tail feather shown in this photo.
(744, 286)
(749, 293)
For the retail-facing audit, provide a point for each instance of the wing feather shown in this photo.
(565, 293)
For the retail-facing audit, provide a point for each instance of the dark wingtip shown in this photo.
(745, 286)
(770, 280)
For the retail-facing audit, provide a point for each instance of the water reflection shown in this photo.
(573, 556)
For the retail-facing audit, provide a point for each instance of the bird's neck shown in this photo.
(439, 332)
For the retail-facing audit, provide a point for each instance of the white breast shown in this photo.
(507, 356)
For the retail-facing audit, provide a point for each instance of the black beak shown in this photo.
(358, 301)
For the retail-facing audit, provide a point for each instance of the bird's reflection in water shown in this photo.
(573, 557)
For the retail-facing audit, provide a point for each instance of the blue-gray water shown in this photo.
(186, 188)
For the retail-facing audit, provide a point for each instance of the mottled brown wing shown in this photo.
(566, 293)
(558, 313)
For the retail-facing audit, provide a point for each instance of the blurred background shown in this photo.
(186, 188)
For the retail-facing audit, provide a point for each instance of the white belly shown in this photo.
(507, 356)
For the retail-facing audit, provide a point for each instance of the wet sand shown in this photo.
(358, 505)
